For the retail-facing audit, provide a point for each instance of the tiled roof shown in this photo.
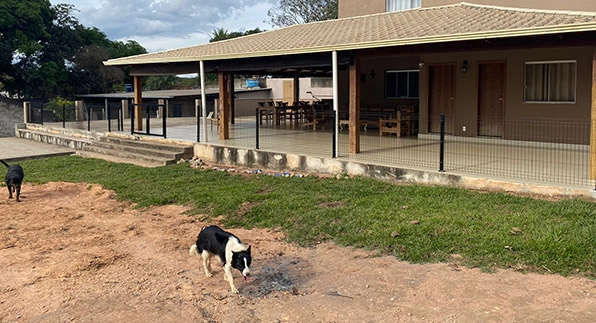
(461, 21)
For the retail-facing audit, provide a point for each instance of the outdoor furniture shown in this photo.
(213, 120)
(402, 124)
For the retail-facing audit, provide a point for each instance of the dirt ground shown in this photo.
(73, 253)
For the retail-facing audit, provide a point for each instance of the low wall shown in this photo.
(11, 112)
(259, 159)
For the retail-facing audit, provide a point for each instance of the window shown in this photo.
(550, 81)
(401, 84)
(399, 5)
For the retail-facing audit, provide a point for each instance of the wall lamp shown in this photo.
(464, 66)
(371, 75)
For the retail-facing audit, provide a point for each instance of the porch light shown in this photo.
(371, 75)
(464, 67)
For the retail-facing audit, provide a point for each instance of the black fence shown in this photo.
(530, 150)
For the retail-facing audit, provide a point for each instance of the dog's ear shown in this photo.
(248, 250)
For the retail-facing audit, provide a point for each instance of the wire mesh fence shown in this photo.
(542, 150)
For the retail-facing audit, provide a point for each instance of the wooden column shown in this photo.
(593, 119)
(232, 100)
(138, 97)
(224, 105)
(354, 107)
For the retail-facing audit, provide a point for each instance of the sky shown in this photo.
(160, 25)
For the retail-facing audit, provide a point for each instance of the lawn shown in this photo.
(415, 223)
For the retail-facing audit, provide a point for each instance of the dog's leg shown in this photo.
(18, 193)
(228, 276)
(9, 186)
(207, 263)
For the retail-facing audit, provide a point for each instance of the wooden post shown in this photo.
(224, 105)
(354, 107)
(593, 119)
(138, 97)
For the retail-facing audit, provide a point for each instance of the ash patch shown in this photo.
(271, 279)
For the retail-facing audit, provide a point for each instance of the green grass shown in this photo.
(486, 230)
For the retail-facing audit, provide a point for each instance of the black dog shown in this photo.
(14, 179)
(212, 240)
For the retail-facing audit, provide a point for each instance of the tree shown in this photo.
(293, 12)
(23, 30)
(223, 34)
(45, 52)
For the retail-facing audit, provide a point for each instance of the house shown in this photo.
(491, 71)
(353, 8)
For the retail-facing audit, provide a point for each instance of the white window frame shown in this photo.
(399, 5)
(397, 85)
(548, 85)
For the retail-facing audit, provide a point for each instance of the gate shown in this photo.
(147, 118)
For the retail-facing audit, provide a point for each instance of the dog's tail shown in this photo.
(193, 250)
(5, 164)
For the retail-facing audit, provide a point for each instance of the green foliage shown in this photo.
(63, 108)
(223, 34)
(294, 12)
(419, 224)
(45, 52)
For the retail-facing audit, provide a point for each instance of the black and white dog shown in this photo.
(213, 241)
(14, 179)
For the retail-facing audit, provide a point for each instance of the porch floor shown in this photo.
(556, 165)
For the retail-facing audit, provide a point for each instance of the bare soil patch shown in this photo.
(73, 253)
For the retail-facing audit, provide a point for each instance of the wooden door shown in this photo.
(491, 98)
(441, 100)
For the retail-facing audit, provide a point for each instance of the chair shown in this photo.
(213, 120)
(402, 124)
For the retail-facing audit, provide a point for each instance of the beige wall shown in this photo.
(352, 8)
(515, 108)
(579, 5)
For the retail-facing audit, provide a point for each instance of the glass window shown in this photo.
(550, 81)
(399, 5)
(402, 84)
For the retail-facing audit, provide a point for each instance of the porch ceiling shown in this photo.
(299, 49)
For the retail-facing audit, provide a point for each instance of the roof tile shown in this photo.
(446, 23)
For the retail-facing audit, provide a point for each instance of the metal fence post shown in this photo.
(148, 119)
(334, 136)
(164, 121)
(132, 118)
(442, 145)
(257, 129)
(199, 123)
(64, 116)
(109, 119)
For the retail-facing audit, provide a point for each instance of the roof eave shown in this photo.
(535, 31)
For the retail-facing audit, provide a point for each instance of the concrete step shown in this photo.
(119, 159)
(143, 143)
(140, 151)
(147, 152)
(58, 139)
(158, 151)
